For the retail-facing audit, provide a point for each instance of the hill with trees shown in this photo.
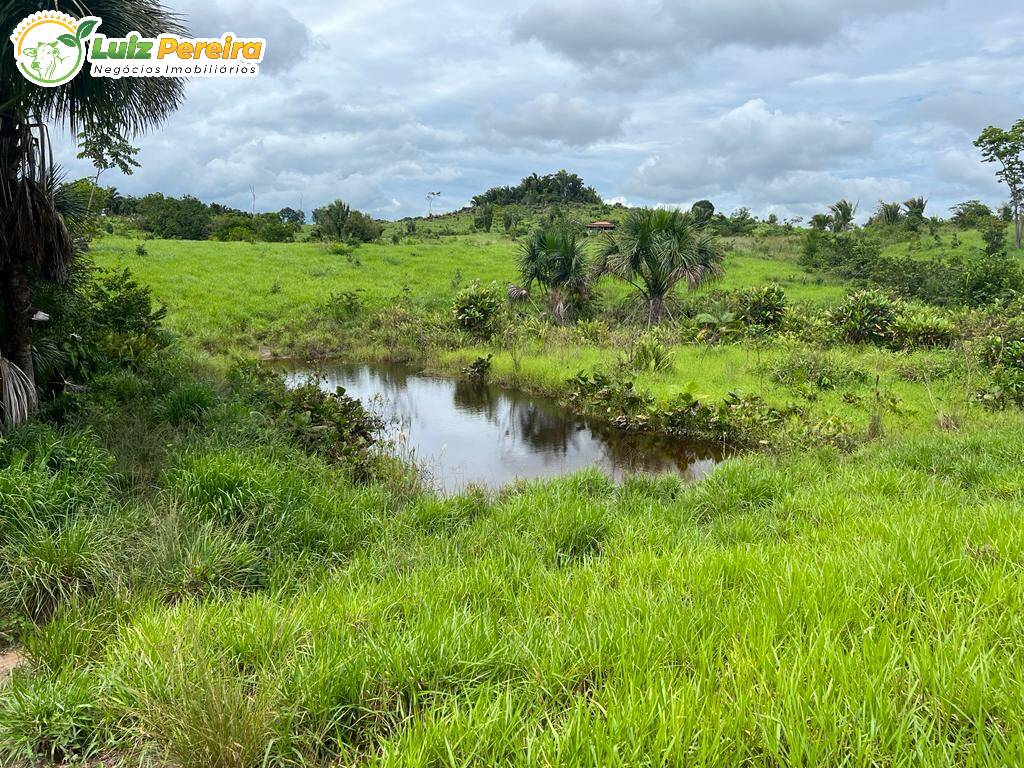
(561, 187)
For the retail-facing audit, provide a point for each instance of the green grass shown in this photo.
(244, 296)
(805, 610)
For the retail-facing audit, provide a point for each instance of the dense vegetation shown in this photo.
(555, 188)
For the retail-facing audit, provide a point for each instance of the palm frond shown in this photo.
(131, 104)
(17, 395)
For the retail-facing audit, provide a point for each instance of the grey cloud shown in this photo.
(653, 34)
(571, 121)
(750, 142)
(968, 111)
(288, 39)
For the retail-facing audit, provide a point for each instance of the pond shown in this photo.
(465, 432)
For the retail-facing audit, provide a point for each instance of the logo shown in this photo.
(49, 46)
(50, 49)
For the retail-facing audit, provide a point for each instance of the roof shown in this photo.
(601, 225)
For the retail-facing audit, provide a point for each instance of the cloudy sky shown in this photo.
(779, 105)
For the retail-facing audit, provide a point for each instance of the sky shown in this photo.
(782, 106)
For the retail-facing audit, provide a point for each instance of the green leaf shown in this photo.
(70, 40)
(86, 28)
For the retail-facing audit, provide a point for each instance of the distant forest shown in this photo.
(561, 187)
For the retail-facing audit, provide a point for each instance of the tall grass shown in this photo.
(817, 610)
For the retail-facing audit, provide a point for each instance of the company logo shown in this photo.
(49, 46)
(50, 49)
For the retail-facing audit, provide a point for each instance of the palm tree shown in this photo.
(555, 258)
(34, 237)
(655, 249)
(915, 208)
(888, 213)
(842, 215)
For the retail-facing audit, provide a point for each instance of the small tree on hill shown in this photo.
(331, 219)
(842, 215)
(1006, 148)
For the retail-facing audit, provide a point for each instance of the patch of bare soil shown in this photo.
(9, 659)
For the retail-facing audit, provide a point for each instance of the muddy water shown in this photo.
(466, 432)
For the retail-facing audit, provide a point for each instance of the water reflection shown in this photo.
(470, 432)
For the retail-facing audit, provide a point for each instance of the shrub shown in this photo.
(330, 424)
(849, 254)
(822, 370)
(737, 420)
(477, 309)
(988, 278)
(479, 369)
(919, 326)
(650, 353)
(763, 306)
(994, 235)
(609, 396)
(866, 317)
(1004, 356)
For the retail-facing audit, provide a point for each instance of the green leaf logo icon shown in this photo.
(85, 28)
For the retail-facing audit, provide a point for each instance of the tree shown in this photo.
(820, 222)
(34, 238)
(1006, 148)
(915, 209)
(555, 258)
(655, 249)
(361, 228)
(175, 218)
(842, 215)
(292, 216)
(483, 217)
(970, 214)
(331, 219)
(702, 211)
(107, 149)
(888, 213)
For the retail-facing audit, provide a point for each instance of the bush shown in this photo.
(361, 228)
(763, 306)
(919, 326)
(994, 235)
(738, 420)
(989, 278)
(649, 353)
(609, 396)
(479, 369)
(822, 370)
(477, 309)
(867, 317)
(330, 424)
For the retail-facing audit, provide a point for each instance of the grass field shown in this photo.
(248, 295)
(192, 585)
